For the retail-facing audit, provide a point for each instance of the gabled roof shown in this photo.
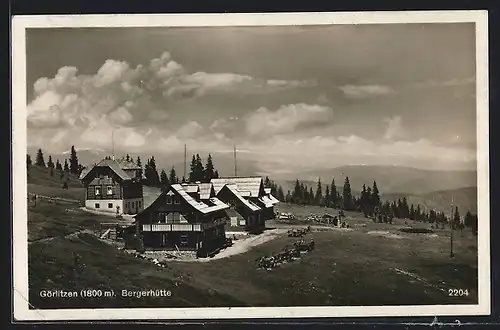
(199, 206)
(205, 190)
(245, 201)
(251, 184)
(190, 188)
(113, 165)
(266, 201)
(273, 199)
(127, 165)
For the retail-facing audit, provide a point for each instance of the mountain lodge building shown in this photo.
(113, 186)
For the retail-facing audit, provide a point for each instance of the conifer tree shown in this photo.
(192, 172)
(58, 165)
(28, 160)
(39, 158)
(73, 161)
(333, 193)
(375, 197)
(51, 171)
(327, 196)
(163, 178)
(456, 218)
(318, 198)
(50, 163)
(216, 174)
(173, 176)
(209, 169)
(139, 164)
(347, 195)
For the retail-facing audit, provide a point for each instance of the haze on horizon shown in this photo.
(290, 98)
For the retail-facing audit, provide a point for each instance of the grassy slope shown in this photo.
(346, 268)
(40, 182)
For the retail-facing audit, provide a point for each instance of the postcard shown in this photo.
(244, 166)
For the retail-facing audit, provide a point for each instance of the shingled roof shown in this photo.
(243, 184)
(115, 167)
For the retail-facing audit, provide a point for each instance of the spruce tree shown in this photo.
(127, 158)
(333, 193)
(73, 161)
(375, 195)
(468, 219)
(310, 200)
(327, 196)
(199, 169)
(456, 218)
(139, 164)
(173, 176)
(28, 160)
(51, 171)
(209, 169)
(318, 198)
(50, 163)
(216, 174)
(192, 172)
(347, 194)
(66, 167)
(58, 165)
(297, 192)
(164, 178)
(39, 158)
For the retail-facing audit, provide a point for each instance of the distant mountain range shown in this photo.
(390, 179)
(464, 198)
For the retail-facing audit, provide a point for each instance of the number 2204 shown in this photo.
(458, 292)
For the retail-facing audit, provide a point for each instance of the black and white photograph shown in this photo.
(250, 165)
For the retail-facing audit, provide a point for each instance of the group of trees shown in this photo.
(370, 204)
(72, 166)
(198, 172)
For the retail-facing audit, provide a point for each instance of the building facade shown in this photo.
(179, 220)
(250, 204)
(113, 186)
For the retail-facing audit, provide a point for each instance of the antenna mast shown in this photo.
(113, 143)
(235, 166)
(185, 155)
(451, 228)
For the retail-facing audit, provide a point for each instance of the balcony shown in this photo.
(182, 226)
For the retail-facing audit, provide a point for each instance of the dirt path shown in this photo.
(242, 245)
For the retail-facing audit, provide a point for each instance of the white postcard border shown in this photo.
(19, 143)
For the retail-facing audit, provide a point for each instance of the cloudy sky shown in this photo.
(314, 97)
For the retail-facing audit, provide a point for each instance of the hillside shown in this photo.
(464, 198)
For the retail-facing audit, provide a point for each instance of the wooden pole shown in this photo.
(235, 166)
(451, 229)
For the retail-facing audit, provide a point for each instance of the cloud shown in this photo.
(287, 119)
(119, 95)
(302, 153)
(395, 129)
(189, 129)
(365, 91)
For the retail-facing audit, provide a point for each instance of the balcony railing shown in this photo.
(182, 226)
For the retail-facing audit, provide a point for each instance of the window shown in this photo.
(97, 191)
(109, 190)
(232, 202)
(184, 240)
(96, 205)
(139, 202)
(132, 204)
(173, 217)
(177, 201)
(110, 205)
(169, 200)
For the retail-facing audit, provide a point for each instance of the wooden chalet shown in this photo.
(250, 205)
(113, 186)
(179, 219)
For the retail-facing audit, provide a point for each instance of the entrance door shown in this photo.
(163, 239)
